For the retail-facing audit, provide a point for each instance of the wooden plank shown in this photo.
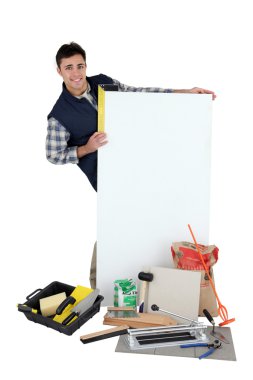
(104, 334)
(143, 320)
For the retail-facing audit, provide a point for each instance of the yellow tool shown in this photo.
(101, 103)
(64, 310)
(101, 109)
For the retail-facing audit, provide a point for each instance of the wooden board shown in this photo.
(104, 334)
(143, 320)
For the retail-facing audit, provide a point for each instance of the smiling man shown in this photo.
(72, 135)
(72, 123)
(73, 72)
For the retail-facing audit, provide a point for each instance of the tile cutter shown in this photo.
(154, 337)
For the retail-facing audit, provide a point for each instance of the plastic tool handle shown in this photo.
(69, 318)
(26, 309)
(209, 352)
(208, 316)
(194, 345)
(68, 301)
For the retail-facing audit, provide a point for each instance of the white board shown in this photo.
(153, 179)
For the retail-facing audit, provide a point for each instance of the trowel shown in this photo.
(215, 333)
(82, 306)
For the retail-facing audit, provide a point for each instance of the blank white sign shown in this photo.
(153, 179)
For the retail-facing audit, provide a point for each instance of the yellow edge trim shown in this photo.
(101, 109)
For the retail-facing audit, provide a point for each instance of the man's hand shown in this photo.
(196, 90)
(97, 140)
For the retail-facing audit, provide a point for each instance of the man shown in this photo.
(72, 135)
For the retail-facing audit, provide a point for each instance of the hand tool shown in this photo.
(212, 347)
(104, 334)
(82, 306)
(154, 337)
(222, 311)
(121, 312)
(68, 301)
(214, 333)
(156, 308)
(49, 304)
(145, 278)
(79, 293)
(26, 309)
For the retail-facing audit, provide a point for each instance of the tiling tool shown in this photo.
(49, 304)
(121, 312)
(212, 347)
(154, 337)
(82, 306)
(156, 308)
(104, 334)
(223, 313)
(79, 293)
(145, 278)
(214, 333)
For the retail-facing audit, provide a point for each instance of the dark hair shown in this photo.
(68, 50)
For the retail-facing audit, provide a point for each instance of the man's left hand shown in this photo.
(197, 90)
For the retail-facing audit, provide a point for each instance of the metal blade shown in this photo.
(122, 314)
(86, 303)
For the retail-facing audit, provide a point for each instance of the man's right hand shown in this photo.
(97, 140)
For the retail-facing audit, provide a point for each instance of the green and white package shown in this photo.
(125, 293)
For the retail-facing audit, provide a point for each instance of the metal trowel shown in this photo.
(82, 306)
(214, 333)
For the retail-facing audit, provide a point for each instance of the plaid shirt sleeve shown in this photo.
(124, 87)
(57, 150)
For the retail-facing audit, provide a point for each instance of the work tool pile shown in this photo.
(166, 320)
(156, 334)
(173, 326)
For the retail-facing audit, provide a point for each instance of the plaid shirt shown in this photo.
(57, 149)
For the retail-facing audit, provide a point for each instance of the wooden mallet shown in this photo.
(145, 278)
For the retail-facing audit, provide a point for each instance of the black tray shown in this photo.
(55, 288)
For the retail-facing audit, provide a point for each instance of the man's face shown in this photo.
(73, 72)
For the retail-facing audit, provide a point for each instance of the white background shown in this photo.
(48, 213)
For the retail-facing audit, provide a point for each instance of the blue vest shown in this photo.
(79, 117)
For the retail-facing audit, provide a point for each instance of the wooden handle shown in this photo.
(99, 335)
(143, 291)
